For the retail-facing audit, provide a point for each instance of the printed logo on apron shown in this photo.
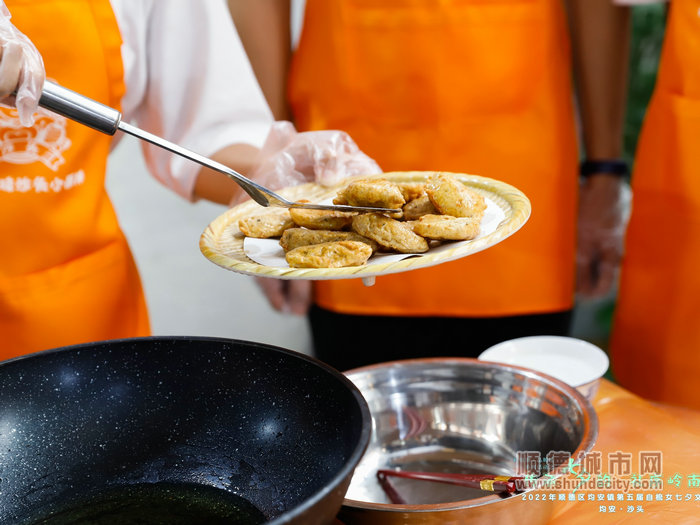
(44, 143)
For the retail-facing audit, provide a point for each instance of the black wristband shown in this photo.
(610, 167)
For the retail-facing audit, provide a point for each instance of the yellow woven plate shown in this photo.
(222, 241)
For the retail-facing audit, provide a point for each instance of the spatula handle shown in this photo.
(77, 107)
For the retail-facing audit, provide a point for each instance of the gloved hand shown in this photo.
(604, 205)
(21, 69)
(289, 158)
(287, 296)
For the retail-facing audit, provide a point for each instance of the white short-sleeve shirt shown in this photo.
(189, 81)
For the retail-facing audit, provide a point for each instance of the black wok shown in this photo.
(201, 421)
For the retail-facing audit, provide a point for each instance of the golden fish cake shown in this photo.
(389, 233)
(337, 254)
(416, 208)
(446, 228)
(295, 237)
(411, 190)
(378, 193)
(451, 197)
(266, 225)
(321, 219)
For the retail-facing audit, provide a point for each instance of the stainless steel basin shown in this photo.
(462, 415)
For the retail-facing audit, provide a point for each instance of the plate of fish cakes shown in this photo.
(431, 218)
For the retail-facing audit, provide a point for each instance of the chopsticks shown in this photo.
(486, 482)
(389, 489)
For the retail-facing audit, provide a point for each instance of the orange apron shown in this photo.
(655, 342)
(66, 272)
(470, 86)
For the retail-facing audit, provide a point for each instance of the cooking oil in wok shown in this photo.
(159, 504)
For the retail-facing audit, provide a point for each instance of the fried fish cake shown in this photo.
(321, 219)
(411, 190)
(416, 208)
(379, 193)
(295, 237)
(266, 225)
(389, 233)
(447, 228)
(451, 197)
(338, 254)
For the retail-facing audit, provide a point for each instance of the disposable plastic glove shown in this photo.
(604, 205)
(21, 69)
(289, 158)
(291, 296)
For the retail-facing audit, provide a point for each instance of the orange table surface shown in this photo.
(629, 425)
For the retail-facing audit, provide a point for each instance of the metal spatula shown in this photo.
(91, 113)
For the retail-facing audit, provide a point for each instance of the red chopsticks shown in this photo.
(389, 489)
(486, 482)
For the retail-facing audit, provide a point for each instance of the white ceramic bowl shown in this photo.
(578, 363)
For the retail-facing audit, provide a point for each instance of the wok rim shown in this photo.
(345, 473)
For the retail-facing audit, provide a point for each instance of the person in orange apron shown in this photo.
(66, 272)
(655, 342)
(67, 275)
(463, 86)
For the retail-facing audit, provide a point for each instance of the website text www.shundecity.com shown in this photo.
(619, 482)
(605, 483)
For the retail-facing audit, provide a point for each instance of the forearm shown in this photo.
(600, 39)
(264, 29)
(217, 187)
